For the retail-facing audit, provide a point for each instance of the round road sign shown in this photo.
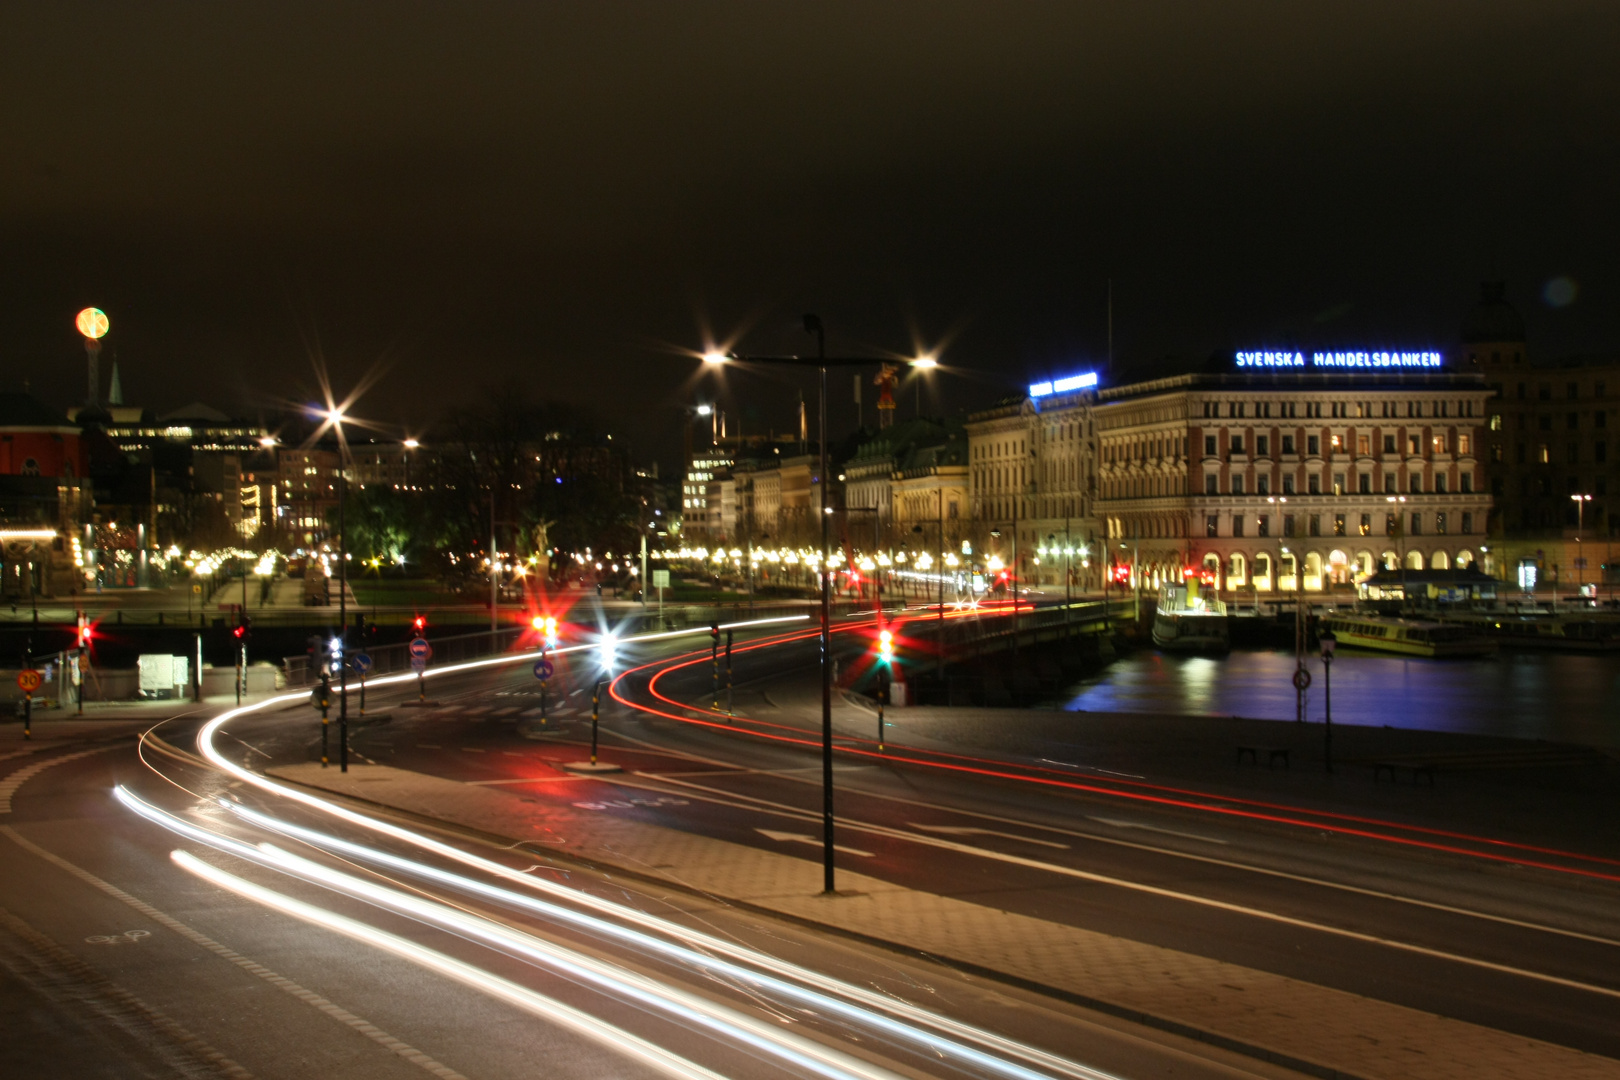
(1302, 679)
(543, 669)
(420, 649)
(29, 680)
(361, 662)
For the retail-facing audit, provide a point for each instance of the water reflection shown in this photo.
(1527, 695)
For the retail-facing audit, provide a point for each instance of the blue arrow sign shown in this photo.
(543, 669)
(361, 662)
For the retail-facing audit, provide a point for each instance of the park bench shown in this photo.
(1273, 753)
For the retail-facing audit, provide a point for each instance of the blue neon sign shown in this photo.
(1063, 386)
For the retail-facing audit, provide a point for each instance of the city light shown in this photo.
(1086, 381)
(713, 357)
(925, 362)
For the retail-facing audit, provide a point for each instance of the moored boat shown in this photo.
(1407, 637)
(1187, 621)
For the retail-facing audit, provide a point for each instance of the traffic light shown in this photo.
(359, 624)
(244, 629)
(886, 647)
(546, 625)
(84, 631)
(419, 624)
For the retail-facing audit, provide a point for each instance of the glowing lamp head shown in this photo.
(925, 362)
(419, 623)
(886, 646)
(411, 444)
(705, 410)
(92, 323)
(715, 357)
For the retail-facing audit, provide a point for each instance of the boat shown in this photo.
(1407, 637)
(1187, 621)
(1544, 630)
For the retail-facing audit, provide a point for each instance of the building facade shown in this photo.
(1277, 481)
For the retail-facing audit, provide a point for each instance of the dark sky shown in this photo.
(564, 195)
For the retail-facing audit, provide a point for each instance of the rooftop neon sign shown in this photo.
(1286, 359)
(1063, 386)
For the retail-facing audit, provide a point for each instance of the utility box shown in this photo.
(160, 675)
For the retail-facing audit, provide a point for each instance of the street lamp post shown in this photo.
(1580, 524)
(1328, 640)
(821, 362)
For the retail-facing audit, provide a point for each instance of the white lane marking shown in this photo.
(1121, 824)
(973, 830)
(806, 838)
(9, 786)
(526, 780)
(1154, 890)
(309, 997)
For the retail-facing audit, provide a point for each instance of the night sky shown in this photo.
(564, 197)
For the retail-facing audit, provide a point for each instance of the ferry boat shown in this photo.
(1408, 637)
(1188, 622)
(1543, 630)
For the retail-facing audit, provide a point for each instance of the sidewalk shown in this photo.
(1315, 1029)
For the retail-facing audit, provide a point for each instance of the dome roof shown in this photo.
(1494, 319)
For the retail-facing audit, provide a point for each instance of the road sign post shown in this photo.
(362, 665)
(421, 651)
(28, 680)
(596, 702)
(543, 670)
(325, 700)
(729, 713)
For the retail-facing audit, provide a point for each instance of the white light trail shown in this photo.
(547, 1008)
(704, 955)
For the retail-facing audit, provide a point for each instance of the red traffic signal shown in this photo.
(239, 632)
(419, 623)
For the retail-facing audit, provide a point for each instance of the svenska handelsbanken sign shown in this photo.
(1286, 359)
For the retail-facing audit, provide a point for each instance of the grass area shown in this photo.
(414, 592)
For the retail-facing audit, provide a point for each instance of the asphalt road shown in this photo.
(1461, 927)
(118, 960)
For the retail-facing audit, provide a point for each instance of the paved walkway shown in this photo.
(1324, 1031)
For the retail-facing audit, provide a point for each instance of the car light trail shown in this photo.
(547, 1008)
(703, 956)
(874, 1011)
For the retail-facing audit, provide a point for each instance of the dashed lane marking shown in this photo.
(9, 786)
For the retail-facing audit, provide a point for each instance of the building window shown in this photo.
(1600, 451)
(1417, 526)
(1438, 444)
(1439, 483)
(1467, 523)
(1313, 445)
(1335, 443)
(1288, 444)
(1414, 445)
(1288, 483)
(1262, 484)
(1288, 524)
(1262, 525)
(1315, 523)
(1415, 483)
(1574, 391)
(1237, 444)
(1209, 446)
(1542, 454)
(1363, 445)
(1389, 483)
(1392, 525)
(1212, 525)
(1262, 445)
(1366, 524)
(1572, 421)
(1465, 482)
(1339, 487)
(1496, 422)
(1544, 422)
(1544, 391)
(1237, 483)
(1389, 444)
(1573, 452)
(1338, 524)
(1440, 524)
(1600, 418)
(1212, 484)
(1465, 445)
(1237, 524)
(1313, 484)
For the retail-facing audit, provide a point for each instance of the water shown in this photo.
(1527, 695)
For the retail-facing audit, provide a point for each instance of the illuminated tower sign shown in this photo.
(93, 324)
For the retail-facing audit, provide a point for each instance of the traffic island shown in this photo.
(591, 768)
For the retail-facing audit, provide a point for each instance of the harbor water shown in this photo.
(1561, 697)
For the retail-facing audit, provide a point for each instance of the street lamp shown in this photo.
(920, 365)
(1400, 537)
(1328, 640)
(334, 416)
(1580, 523)
(821, 362)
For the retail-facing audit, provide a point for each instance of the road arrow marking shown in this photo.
(806, 838)
(969, 830)
(1118, 824)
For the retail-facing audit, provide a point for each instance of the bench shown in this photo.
(1273, 753)
(1422, 768)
